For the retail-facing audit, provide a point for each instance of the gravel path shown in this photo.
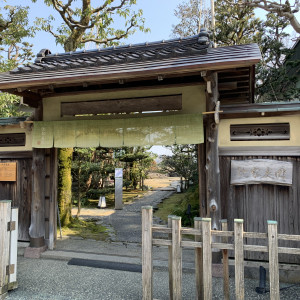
(56, 280)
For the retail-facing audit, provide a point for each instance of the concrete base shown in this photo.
(31, 252)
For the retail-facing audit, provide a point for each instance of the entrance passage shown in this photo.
(138, 131)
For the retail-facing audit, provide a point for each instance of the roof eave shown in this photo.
(123, 73)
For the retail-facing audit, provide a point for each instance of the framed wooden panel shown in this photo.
(146, 104)
(8, 171)
(12, 139)
(256, 132)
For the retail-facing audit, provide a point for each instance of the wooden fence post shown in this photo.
(176, 258)
(273, 260)
(13, 251)
(207, 258)
(224, 227)
(170, 260)
(239, 259)
(147, 267)
(198, 260)
(5, 211)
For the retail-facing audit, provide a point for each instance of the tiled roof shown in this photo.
(180, 56)
(45, 61)
(11, 121)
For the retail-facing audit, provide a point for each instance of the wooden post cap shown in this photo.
(238, 221)
(198, 218)
(5, 201)
(270, 222)
(175, 218)
(223, 221)
(206, 219)
(171, 216)
(146, 207)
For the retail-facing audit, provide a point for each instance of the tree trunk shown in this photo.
(78, 198)
(65, 185)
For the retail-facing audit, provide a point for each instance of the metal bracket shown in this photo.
(10, 269)
(11, 226)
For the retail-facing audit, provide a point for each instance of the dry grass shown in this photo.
(128, 197)
(160, 182)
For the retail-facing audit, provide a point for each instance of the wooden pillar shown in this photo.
(37, 226)
(273, 260)
(199, 260)
(212, 153)
(13, 251)
(176, 258)
(147, 266)
(51, 169)
(170, 260)
(239, 259)
(207, 258)
(5, 211)
(201, 158)
(224, 225)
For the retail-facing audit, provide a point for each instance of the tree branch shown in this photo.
(6, 24)
(282, 10)
(123, 2)
(56, 5)
(54, 34)
(105, 41)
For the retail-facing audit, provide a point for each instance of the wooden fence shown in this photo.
(8, 247)
(206, 240)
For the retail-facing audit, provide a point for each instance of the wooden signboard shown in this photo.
(8, 171)
(258, 171)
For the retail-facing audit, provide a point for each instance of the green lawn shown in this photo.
(177, 204)
(87, 229)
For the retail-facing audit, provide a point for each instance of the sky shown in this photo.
(159, 15)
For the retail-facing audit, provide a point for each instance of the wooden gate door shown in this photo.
(19, 191)
(257, 203)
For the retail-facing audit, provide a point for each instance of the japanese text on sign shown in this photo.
(8, 171)
(258, 171)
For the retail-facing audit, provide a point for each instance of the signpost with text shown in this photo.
(118, 188)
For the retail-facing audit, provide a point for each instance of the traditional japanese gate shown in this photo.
(146, 94)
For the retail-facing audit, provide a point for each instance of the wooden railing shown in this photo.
(203, 246)
(8, 247)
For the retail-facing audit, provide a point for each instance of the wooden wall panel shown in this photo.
(20, 194)
(257, 203)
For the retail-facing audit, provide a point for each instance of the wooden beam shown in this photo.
(171, 102)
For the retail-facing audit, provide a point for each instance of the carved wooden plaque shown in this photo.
(257, 132)
(12, 139)
(258, 171)
(8, 171)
